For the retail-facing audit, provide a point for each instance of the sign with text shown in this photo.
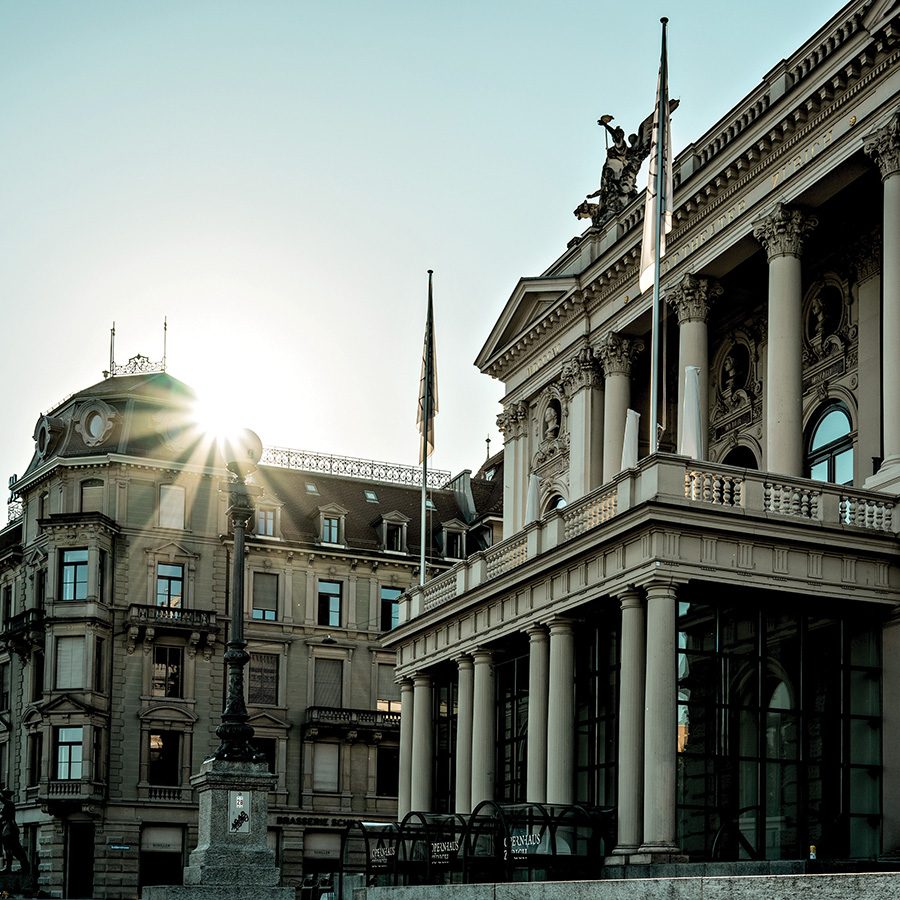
(239, 812)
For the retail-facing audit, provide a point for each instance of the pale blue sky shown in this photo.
(276, 177)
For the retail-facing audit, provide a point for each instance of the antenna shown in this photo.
(165, 341)
(487, 441)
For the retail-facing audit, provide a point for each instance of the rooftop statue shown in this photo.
(618, 180)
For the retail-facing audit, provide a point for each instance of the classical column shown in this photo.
(584, 388)
(691, 300)
(422, 745)
(660, 721)
(616, 353)
(782, 233)
(464, 697)
(483, 728)
(630, 756)
(561, 715)
(883, 146)
(512, 423)
(538, 686)
(404, 804)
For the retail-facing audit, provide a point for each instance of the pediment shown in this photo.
(454, 525)
(168, 712)
(171, 550)
(333, 509)
(267, 720)
(66, 704)
(394, 517)
(532, 300)
(879, 12)
(35, 558)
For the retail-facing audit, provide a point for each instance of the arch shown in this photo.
(741, 456)
(829, 444)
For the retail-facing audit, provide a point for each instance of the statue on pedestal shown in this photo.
(9, 834)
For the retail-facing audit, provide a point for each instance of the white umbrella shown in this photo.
(691, 426)
(630, 444)
(533, 500)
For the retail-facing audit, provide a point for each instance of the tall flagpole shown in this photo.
(661, 150)
(427, 413)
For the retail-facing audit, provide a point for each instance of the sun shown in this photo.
(214, 416)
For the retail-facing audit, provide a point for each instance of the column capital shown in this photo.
(883, 145)
(512, 421)
(561, 626)
(464, 662)
(783, 231)
(630, 598)
(662, 588)
(582, 371)
(406, 683)
(421, 680)
(693, 297)
(536, 632)
(617, 353)
(482, 657)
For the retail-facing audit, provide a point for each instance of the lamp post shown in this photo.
(242, 453)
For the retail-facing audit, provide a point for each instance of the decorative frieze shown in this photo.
(883, 145)
(693, 297)
(784, 230)
(617, 352)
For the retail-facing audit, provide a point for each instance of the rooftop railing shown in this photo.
(665, 477)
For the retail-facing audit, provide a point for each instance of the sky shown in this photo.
(275, 179)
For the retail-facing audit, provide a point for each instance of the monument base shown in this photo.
(232, 857)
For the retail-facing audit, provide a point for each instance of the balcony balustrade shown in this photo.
(198, 625)
(24, 631)
(350, 724)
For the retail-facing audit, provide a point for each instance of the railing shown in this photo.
(367, 718)
(27, 620)
(664, 477)
(368, 469)
(142, 614)
(167, 794)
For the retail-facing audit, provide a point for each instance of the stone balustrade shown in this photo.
(671, 479)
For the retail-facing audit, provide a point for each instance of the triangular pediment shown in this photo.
(332, 509)
(35, 557)
(170, 550)
(67, 704)
(532, 300)
(267, 720)
(879, 12)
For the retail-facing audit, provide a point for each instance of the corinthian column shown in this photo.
(616, 353)
(691, 300)
(883, 146)
(584, 388)
(422, 744)
(782, 233)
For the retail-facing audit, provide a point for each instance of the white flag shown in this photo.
(655, 183)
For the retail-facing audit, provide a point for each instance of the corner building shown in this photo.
(114, 587)
(709, 645)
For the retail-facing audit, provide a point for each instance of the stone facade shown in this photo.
(687, 640)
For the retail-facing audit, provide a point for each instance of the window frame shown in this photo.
(321, 595)
(169, 580)
(385, 603)
(829, 452)
(264, 610)
(257, 654)
(69, 763)
(165, 505)
(170, 650)
(77, 567)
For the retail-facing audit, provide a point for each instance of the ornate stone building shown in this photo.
(114, 585)
(710, 645)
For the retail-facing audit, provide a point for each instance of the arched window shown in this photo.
(830, 450)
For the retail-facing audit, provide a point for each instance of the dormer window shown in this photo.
(454, 539)
(371, 496)
(265, 522)
(392, 532)
(331, 525)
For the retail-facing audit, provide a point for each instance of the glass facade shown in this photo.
(779, 731)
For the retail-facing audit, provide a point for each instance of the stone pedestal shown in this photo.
(232, 858)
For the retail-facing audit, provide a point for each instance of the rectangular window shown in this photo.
(454, 545)
(393, 537)
(74, 575)
(262, 681)
(164, 760)
(265, 522)
(168, 663)
(267, 747)
(388, 699)
(35, 756)
(6, 606)
(69, 663)
(41, 588)
(330, 604)
(99, 664)
(331, 530)
(390, 608)
(69, 753)
(171, 506)
(265, 596)
(326, 758)
(328, 688)
(169, 585)
(92, 495)
(4, 688)
(387, 771)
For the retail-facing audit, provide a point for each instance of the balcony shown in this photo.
(349, 724)
(199, 626)
(24, 632)
(61, 797)
(694, 518)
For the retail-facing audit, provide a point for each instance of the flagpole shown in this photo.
(426, 415)
(661, 150)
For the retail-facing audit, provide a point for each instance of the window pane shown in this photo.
(843, 467)
(164, 758)
(169, 585)
(833, 426)
(265, 596)
(330, 604)
(167, 665)
(329, 676)
(819, 471)
(387, 772)
(262, 683)
(69, 663)
(171, 506)
(325, 767)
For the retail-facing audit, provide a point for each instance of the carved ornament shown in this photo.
(883, 145)
(617, 353)
(581, 372)
(693, 297)
(784, 230)
(512, 421)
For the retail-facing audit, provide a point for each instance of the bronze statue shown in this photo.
(9, 834)
(618, 180)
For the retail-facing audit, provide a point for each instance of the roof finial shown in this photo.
(487, 441)
(112, 352)
(165, 340)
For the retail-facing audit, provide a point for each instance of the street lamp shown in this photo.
(241, 452)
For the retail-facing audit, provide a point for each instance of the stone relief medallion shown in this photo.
(550, 423)
(94, 421)
(829, 338)
(736, 391)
